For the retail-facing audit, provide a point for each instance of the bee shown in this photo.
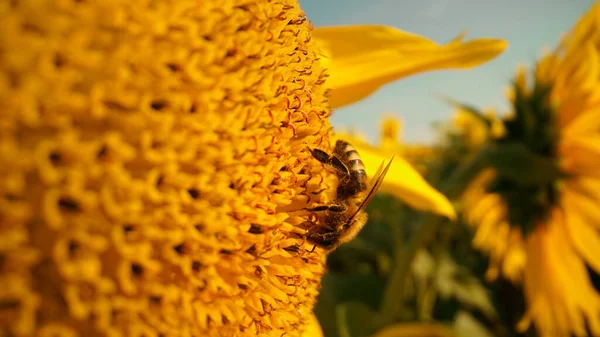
(342, 220)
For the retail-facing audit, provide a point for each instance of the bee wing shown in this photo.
(377, 174)
(375, 183)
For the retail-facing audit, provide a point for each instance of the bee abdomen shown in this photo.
(360, 178)
(358, 175)
(355, 162)
(351, 156)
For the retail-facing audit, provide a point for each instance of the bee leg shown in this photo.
(313, 225)
(331, 160)
(326, 240)
(320, 155)
(331, 207)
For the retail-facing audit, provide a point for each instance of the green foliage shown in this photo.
(534, 123)
(444, 282)
(355, 319)
(513, 161)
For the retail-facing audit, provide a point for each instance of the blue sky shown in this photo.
(528, 26)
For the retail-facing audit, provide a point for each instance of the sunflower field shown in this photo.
(169, 168)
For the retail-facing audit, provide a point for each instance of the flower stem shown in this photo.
(393, 297)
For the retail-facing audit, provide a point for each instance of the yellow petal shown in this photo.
(488, 228)
(363, 58)
(583, 235)
(521, 78)
(404, 182)
(581, 155)
(585, 193)
(516, 257)
(483, 206)
(586, 123)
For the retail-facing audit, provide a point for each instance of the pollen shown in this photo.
(153, 159)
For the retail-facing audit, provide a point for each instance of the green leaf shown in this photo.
(337, 289)
(325, 311)
(514, 161)
(367, 289)
(457, 282)
(355, 319)
(356, 258)
(466, 325)
(459, 177)
(423, 265)
(372, 250)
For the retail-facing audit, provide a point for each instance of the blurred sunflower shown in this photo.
(151, 155)
(536, 210)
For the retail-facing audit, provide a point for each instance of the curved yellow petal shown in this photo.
(361, 59)
(581, 155)
(404, 182)
(582, 234)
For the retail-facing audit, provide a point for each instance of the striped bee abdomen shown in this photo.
(351, 159)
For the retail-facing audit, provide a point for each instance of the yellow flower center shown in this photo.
(151, 157)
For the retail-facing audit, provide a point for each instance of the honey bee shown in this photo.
(343, 219)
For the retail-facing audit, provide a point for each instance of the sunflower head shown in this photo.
(154, 157)
(536, 208)
(531, 130)
(520, 187)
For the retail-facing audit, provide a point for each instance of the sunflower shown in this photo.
(536, 209)
(154, 159)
